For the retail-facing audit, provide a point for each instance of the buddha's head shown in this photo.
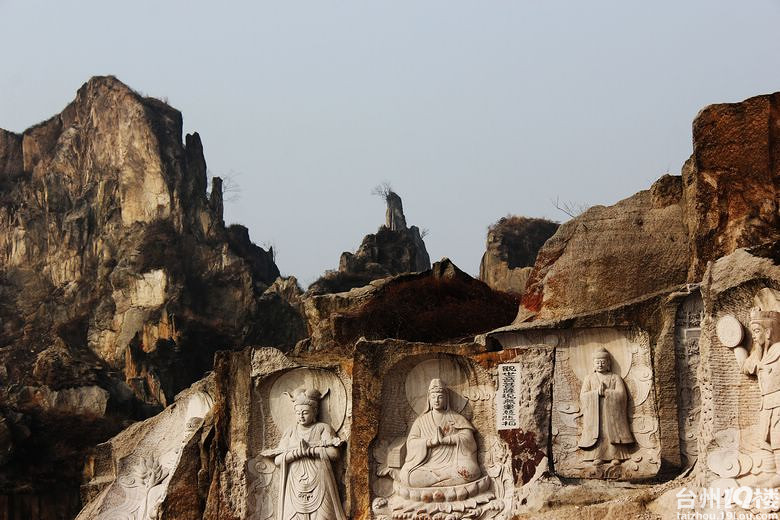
(764, 327)
(438, 399)
(306, 402)
(601, 361)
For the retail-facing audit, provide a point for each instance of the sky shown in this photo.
(471, 110)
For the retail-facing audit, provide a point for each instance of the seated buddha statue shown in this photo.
(440, 449)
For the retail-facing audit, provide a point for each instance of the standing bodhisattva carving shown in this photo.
(606, 435)
(307, 486)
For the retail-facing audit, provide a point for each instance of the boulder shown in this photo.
(512, 245)
(611, 255)
(438, 304)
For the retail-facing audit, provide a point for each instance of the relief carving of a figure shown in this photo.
(435, 468)
(307, 486)
(606, 434)
(440, 449)
(764, 363)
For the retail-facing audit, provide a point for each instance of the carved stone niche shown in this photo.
(687, 330)
(438, 454)
(604, 419)
(739, 432)
(300, 426)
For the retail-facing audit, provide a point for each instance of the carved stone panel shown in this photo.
(744, 451)
(686, 345)
(438, 453)
(604, 420)
(156, 447)
(301, 426)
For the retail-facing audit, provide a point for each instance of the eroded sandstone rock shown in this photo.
(512, 245)
(118, 278)
(611, 255)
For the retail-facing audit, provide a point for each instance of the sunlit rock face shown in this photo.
(726, 198)
(118, 277)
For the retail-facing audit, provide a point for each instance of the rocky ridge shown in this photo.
(393, 250)
(119, 279)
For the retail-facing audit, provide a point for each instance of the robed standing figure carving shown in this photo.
(606, 435)
(307, 487)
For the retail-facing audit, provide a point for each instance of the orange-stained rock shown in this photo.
(732, 180)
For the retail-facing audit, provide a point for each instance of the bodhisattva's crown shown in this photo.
(307, 396)
(759, 316)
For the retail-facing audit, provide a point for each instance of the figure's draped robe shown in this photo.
(443, 465)
(308, 489)
(605, 419)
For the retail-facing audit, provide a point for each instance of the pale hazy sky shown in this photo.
(470, 109)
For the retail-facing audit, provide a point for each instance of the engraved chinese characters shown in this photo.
(606, 435)
(507, 413)
(604, 421)
(687, 331)
(307, 487)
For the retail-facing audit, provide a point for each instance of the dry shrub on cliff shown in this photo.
(430, 309)
(522, 238)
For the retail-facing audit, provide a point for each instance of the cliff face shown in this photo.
(116, 270)
(727, 198)
(732, 180)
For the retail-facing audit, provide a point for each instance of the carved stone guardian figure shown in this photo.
(606, 435)
(764, 363)
(307, 486)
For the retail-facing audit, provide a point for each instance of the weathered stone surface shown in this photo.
(732, 180)
(736, 437)
(611, 255)
(438, 304)
(512, 245)
(150, 470)
(118, 278)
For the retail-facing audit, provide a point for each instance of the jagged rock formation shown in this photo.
(512, 245)
(394, 249)
(118, 278)
(442, 303)
(617, 328)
